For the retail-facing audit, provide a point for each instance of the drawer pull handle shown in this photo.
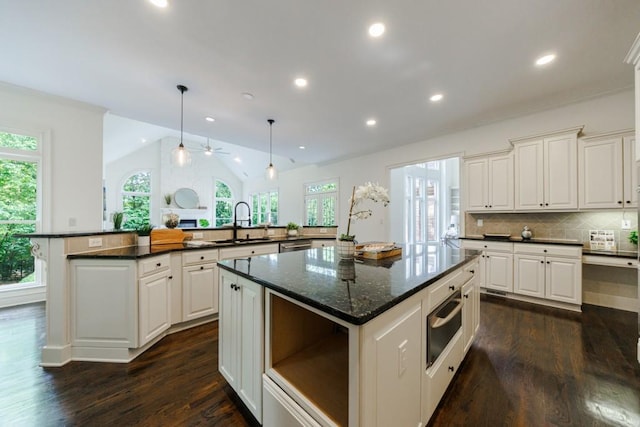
(629, 263)
(452, 288)
(466, 296)
(253, 252)
(545, 251)
(472, 271)
(170, 277)
(159, 264)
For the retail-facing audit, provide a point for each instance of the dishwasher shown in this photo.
(295, 245)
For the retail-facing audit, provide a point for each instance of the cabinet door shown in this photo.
(477, 184)
(155, 306)
(630, 172)
(229, 329)
(499, 271)
(529, 180)
(561, 172)
(529, 275)
(564, 279)
(501, 182)
(468, 314)
(251, 301)
(199, 291)
(600, 182)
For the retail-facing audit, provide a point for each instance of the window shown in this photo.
(223, 201)
(136, 200)
(264, 207)
(431, 202)
(20, 169)
(320, 203)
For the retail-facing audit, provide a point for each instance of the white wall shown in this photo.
(74, 182)
(165, 178)
(608, 113)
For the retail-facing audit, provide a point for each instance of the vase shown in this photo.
(346, 248)
(347, 270)
(292, 233)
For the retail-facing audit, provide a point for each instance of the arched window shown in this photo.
(223, 201)
(136, 200)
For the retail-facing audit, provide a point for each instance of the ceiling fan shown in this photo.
(209, 150)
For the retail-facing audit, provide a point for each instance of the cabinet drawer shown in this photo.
(247, 251)
(442, 372)
(610, 261)
(482, 245)
(440, 290)
(552, 250)
(194, 257)
(155, 264)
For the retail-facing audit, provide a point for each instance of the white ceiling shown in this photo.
(128, 56)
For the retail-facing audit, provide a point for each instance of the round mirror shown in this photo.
(186, 198)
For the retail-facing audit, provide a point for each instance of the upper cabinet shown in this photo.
(607, 174)
(633, 57)
(489, 183)
(546, 171)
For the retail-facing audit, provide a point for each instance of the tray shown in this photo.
(377, 251)
(168, 236)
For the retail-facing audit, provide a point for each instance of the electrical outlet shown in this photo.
(95, 242)
(480, 223)
(197, 235)
(271, 232)
(626, 224)
(323, 231)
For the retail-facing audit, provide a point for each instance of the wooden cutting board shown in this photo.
(168, 236)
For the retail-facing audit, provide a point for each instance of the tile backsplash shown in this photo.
(556, 225)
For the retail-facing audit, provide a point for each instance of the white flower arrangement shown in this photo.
(171, 220)
(368, 191)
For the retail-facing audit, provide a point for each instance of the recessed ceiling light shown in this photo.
(300, 82)
(437, 97)
(371, 122)
(247, 95)
(210, 119)
(302, 147)
(159, 3)
(237, 159)
(544, 60)
(143, 140)
(376, 30)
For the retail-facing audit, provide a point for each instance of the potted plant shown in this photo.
(167, 199)
(171, 220)
(117, 218)
(204, 223)
(347, 242)
(144, 234)
(633, 237)
(292, 229)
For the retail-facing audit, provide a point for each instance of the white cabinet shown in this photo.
(199, 284)
(548, 271)
(245, 250)
(323, 243)
(470, 308)
(155, 305)
(241, 338)
(489, 183)
(496, 263)
(633, 57)
(546, 171)
(607, 172)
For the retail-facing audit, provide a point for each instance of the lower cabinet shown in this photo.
(241, 338)
(154, 305)
(199, 284)
(281, 410)
(496, 264)
(440, 374)
(549, 272)
(470, 312)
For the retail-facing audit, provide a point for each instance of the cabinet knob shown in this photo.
(170, 277)
(466, 296)
(628, 202)
(490, 206)
(472, 271)
(485, 246)
(544, 250)
(159, 264)
(451, 368)
(629, 263)
(253, 252)
(548, 262)
(202, 257)
(541, 262)
(619, 202)
(546, 204)
(541, 204)
(486, 206)
(452, 288)
(201, 267)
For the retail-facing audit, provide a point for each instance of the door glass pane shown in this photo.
(16, 262)
(312, 211)
(19, 182)
(21, 142)
(328, 211)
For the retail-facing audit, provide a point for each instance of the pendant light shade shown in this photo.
(271, 173)
(180, 156)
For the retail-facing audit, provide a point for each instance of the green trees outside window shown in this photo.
(223, 202)
(136, 200)
(19, 164)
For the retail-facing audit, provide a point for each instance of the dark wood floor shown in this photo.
(530, 366)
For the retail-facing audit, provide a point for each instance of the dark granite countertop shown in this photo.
(538, 241)
(354, 291)
(615, 254)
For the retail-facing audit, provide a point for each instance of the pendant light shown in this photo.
(271, 172)
(180, 156)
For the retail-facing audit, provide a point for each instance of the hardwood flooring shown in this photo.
(530, 366)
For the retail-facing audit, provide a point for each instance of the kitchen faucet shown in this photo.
(236, 220)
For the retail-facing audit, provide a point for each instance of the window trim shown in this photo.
(231, 200)
(318, 196)
(122, 192)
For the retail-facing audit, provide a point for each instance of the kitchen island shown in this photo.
(309, 339)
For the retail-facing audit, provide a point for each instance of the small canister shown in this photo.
(526, 233)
